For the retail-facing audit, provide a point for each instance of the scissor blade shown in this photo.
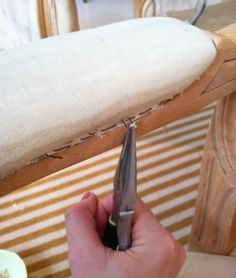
(129, 172)
(128, 186)
(124, 194)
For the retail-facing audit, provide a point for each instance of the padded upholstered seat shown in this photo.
(59, 89)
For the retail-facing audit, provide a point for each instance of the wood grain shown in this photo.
(144, 8)
(196, 96)
(57, 17)
(214, 224)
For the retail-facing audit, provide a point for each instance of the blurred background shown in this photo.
(19, 24)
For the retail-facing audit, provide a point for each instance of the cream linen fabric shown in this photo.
(61, 88)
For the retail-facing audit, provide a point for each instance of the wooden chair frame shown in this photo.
(214, 225)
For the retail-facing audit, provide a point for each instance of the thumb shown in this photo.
(82, 235)
(146, 228)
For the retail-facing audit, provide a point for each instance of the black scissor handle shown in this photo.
(109, 238)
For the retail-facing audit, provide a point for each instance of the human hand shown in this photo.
(154, 252)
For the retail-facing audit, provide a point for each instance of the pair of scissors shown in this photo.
(117, 234)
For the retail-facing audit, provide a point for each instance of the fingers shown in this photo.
(81, 226)
(87, 254)
(103, 211)
(151, 243)
(148, 232)
(140, 209)
(108, 204)
(145, 228)
(179, 259)
(98, 212)
(173, 255)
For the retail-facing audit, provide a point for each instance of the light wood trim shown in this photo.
(41, 20)
(214, 223)
(56, 17)
(144, 8)
(191, 100)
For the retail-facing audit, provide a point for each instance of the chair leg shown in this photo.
(214, 223)
(144, 8)
(57, 17)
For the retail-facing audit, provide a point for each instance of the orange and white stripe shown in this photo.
(32, 219)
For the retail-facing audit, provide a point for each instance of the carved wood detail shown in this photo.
(214, 224)
(57, 17)
(144, 8)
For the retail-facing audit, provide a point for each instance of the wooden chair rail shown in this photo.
(218, 81)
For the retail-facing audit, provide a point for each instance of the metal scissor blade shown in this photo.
(125, 186)
(117, 234)
(125, 180)
(129, 175)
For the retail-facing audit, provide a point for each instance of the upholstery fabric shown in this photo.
(60, 88)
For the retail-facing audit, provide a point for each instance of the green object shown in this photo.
(11, 265)
(110, 235)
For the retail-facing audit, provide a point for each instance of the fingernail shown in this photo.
(86, 195)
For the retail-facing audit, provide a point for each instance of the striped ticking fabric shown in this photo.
(32, 219)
